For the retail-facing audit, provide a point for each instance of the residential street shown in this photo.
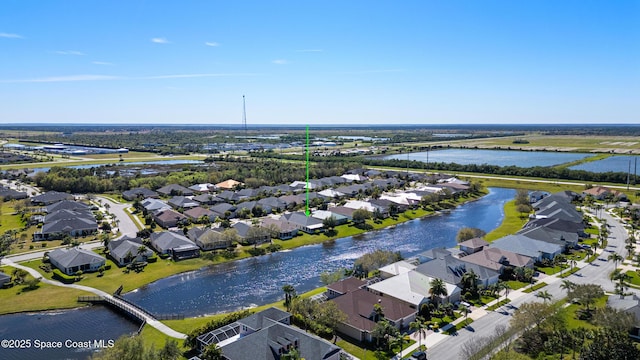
(448, 347)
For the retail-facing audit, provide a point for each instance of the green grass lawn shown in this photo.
(550, 270)
(498, 304)
(535, 287)
(634, 277)
(454, 329)
(515, 284)
(366, 351)
(45, 297)
(511, 223)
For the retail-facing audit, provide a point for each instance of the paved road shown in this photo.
(125, 224)
(596, 273)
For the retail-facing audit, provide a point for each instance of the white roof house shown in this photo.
(330, 193)
(358, 204)
(397, 268)
(412, 287)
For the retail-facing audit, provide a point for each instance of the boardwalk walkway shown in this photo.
(139, 313)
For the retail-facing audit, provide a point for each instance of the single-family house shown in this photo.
(325, 214)
(451, 270)
(203, 188)
(228, 184)
(398, 267)
(341, 210)
(174, 190)
(66, 205)
(281, 228)
(412, 287)
(535, 249)
(268, 335)
(197, 213)
(11, 194)
(602, 192)
(359, 307)
(629, 304)
(153, 205)
(223, 210)
(72, 260)
(207, 199)
(65, 222)
(176, 245)
(303, 222)
(50, 197)
(209, 239)
(168, 218)
(182, 202)
(4, 279)
(272, 203)
(126, 250)
(535, 196)
(498, 259)
(251, 234)
(344, 286)
(139, 193)
(567, 239)
(473, 245)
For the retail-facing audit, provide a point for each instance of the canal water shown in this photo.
(72, 328)
(492, 157)
(259, 280)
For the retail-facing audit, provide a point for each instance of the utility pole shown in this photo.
(244, 116)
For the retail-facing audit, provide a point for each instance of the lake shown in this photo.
(612, 163)
(77, 325)
(492, 157)
(259, 280)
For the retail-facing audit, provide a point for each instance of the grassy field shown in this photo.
(510, 225)
(567, 142)
(45, 297)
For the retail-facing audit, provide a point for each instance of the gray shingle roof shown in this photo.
(74, 257)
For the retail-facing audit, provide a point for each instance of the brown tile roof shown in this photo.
(474, 243)
(346, 285)
(490, 258)
(198, 212)
(358, 306)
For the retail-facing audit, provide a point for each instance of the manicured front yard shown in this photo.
(515, 284)
(535, 287)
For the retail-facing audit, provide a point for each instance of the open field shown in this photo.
(608, 144)
(45, 297)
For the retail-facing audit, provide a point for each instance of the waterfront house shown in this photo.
(4, 279)
(251, 234)
(303, 222)
(127, 250)
(176, 245)
(325, 214)
(283, 229)
(208, 239)
(535, 196)
(72, 260)
(473, 245)
(344, 286)
(567, 239)
(358, 305)
(398, 267)
(268, 335)
(412, 287)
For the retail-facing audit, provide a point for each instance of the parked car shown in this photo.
(419, 355)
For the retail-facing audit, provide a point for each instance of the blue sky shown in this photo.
(320, 62)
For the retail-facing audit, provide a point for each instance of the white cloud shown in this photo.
(280, 62)
(160, 41)
(10, 36)
(72, 78)
(64, 79)
(213, 43)
(310, 50)
(70, 52)
(105, 63)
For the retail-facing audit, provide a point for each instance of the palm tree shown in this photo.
(573, 263)
(622, 279)
(289, 294)
(437, 288)
(544, 295)
(465, 310)
(212, 352)
(470, 282)
(567, 285)
(420, 327)
(504, 286)
(615, 257)
(141, 250)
